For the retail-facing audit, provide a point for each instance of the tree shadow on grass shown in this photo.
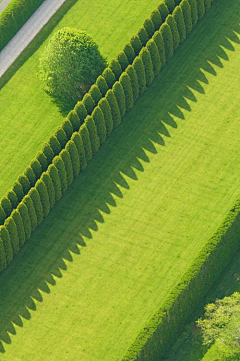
(93, 194)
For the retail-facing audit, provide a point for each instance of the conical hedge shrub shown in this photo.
(23, 180)
(163, 10)
(139, 68)
(95, 94)
(4, 236)
(166, 33)
(58, 162)
(115, 111)
(148, 66)
(26, 220)
(92, 130)
(130, 54)
(31, 211)
(74, 120)
(37, 169)
(105, 108)
(67, 127)
(55, 145)
(155, 57)
(2, 215)
(149, 27)
(80, 148)
(86, 141)
(54, 175)
(3, 260)
(75, 160)
(174, 29)
(68, 165)
(13, 234)
(99, 121)
(20, 229)
(134, 81)
(109, 77)
(116, 69)
(18, 190)
(143, 36)
(88, 102)
(178, 17)
(158, 39)
(123, 61)
(186, 10)
(156, 19)
(43, 193)
(136, 44)
(81, 111)
(13, 198)
(125, 81)
(194, 11)
(170, 5)
(30, 176)
(102, 85)
(47, 150)
(50, 187)
(7, 206)
(37, 203)
(62, 138)
(120, 97)
(42, 159)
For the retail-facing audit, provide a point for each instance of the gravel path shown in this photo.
(26, 34)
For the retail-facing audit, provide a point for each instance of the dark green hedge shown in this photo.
(14, 17)
(164, 327)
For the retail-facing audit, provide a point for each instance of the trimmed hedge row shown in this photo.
(88, 125)
(165, 326)
(102, 108)
(14, 17)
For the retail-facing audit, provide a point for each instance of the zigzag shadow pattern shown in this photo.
(92, 195)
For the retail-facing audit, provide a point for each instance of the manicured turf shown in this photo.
(128, 228)
(189, 346)
(28, 117)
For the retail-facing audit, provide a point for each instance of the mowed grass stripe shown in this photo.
(28, 117)
(112, 249)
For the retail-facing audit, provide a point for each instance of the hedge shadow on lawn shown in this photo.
(42, 263)
(36, 42)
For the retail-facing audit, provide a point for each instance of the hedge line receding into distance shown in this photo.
(87, 126)
(14, 17)
(165, 326)
(80, 136)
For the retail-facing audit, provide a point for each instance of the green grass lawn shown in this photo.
(189, 345)
(28, 117)
(112, 249)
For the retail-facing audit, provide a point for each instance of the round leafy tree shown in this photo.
(221, 324)
(70, 64)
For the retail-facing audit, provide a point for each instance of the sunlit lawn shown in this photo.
(112, 249)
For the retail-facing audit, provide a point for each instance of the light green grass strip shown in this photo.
(127, 229)
(28, 117)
